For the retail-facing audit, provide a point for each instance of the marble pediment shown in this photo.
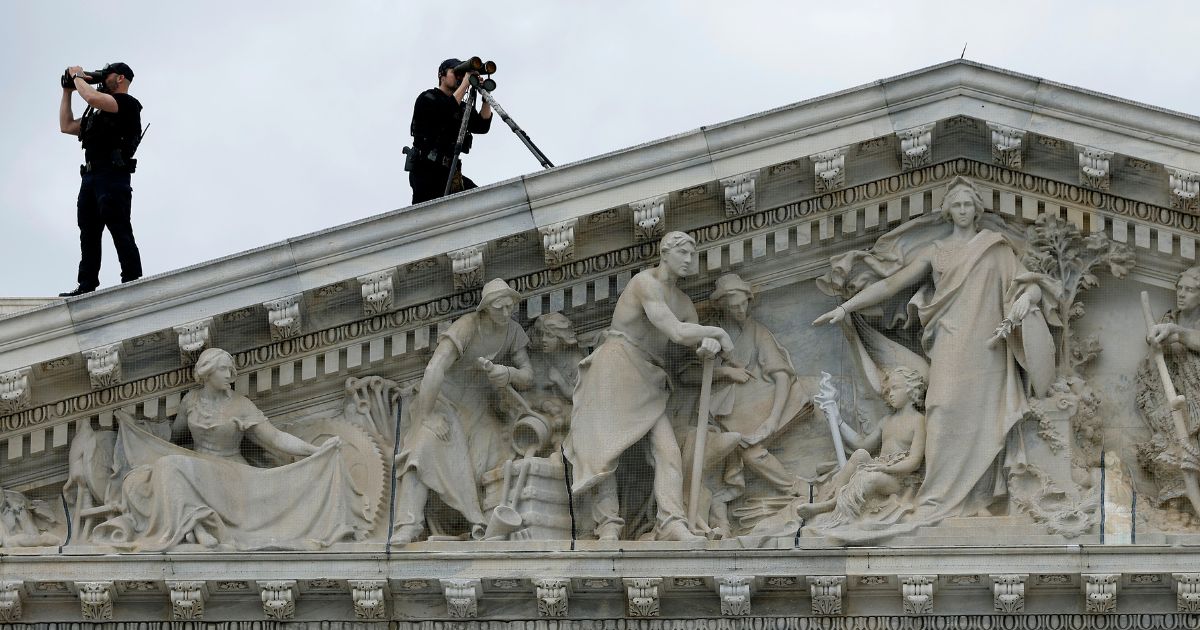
(350, 317)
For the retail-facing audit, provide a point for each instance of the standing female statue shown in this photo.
(984, 332)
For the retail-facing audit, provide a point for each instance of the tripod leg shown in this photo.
(468, 108)
(512, 124)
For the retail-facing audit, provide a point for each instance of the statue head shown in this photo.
(552, 331)
(216, 366)
(1187, 289)
(902, 385)
(961, 197)
(497, 301)
(733, 296)
(678, 252)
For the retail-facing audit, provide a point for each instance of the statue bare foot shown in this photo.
(679, 532)
(406, 534)
(608, 532)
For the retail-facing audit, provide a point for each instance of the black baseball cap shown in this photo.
(120, 68)
(446, 65)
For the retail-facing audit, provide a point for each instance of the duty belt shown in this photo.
(109, 167)
(433, 156)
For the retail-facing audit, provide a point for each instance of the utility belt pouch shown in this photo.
(408, 158)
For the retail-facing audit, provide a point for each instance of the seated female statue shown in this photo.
(211, 496)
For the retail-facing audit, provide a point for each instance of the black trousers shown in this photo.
(428, 181)
(104, 202)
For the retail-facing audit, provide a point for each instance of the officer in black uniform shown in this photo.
(437, 117)
(110, 131)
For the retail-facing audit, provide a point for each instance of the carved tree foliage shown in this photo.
(1059, 249)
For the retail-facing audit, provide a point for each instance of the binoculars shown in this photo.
(475, 64)
(93, 77)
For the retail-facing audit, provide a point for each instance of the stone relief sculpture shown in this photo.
(556, 372)
(26, 522)
(866, 479)
(622, 395)
(527, 497)
(755, 398)
(210, 495)
(984, 321)
(452, 431)
(1170, 455)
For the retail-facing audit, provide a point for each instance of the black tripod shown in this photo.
(468, 108)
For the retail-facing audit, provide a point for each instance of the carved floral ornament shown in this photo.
(190, 599)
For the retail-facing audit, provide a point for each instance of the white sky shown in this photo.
(272, 119)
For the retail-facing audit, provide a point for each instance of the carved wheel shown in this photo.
(361, 455)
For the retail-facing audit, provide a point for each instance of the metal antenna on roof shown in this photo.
(964, 52)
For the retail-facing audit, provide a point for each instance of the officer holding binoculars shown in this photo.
(437, 117)
(109, 130)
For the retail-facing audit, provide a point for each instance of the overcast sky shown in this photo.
(274, 119)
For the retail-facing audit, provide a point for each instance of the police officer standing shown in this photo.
(109, 131)
(437, 117)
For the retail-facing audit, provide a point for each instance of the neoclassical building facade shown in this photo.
(924, 353)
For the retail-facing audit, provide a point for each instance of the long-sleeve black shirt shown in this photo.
(436, 119)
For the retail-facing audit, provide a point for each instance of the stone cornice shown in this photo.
(685, 579)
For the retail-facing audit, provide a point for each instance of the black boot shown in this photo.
(77, 291)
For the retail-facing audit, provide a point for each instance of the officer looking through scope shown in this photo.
(110, 131)
(437, 116)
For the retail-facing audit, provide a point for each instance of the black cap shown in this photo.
(120, 68)
(446, 65)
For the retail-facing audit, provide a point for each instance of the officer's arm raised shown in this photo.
(99, 100)
(67, 122)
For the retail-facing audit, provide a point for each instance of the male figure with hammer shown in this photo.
(622, 392)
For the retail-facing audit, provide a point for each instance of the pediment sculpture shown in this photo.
(962, 392)
(142, 489)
